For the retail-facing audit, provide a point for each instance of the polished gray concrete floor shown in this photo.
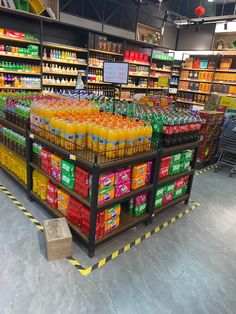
(190, 267)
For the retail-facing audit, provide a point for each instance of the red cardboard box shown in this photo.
(82, 189)
(164, 172)
(166, 162)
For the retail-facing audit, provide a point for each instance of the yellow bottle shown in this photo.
(80, 136)
(102, 139)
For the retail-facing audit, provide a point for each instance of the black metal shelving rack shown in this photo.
(127, 221)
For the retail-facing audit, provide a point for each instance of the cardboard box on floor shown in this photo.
(58, 238)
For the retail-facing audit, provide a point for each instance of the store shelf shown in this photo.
(223, 94)
(170, 179)
(60, 185)
(224, 82)
(160, 70)
(127, 161)
(99, 83)
(59, 84)
(12, 55)
(193, 91)
(107, 52)
(138, 75)
(72, 62)
(173, 93)
(229, 70)
(176, 66)
(20, 72)
(66, 47)
(13, 151)
(95, 67)
(175, 74)
(126, 197)
(172, 203)
(61, 73)
(62, 152)
(192, 80)
(191, 69)
(56, 213)
(25, 88)
(177, 149)
(12, 126)
(133, 87)
(174, 84)
(138, 63)
(27, 41)
(190, 102)
(13, 176)
(158, 88)
(127, 221)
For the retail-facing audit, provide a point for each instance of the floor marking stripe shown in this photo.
(204, 170)
(86, 271)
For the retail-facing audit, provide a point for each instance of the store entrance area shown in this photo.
(188, 267)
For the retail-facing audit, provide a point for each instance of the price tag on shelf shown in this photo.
(72, 157)
(32, 136)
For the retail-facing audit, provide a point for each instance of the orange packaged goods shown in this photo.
(56, 161)
(138, 170)
(138, 182)
(63, 197)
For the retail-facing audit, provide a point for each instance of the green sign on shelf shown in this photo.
(162, 57)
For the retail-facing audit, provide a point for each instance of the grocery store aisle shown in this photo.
(187, 268)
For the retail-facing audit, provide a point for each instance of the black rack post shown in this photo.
(29, 170)
(155, 173)
(190, 181)
(93, 209)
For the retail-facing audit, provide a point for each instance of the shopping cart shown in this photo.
(227, 147)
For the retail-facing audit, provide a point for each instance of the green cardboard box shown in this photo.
(178, 193)
(158, 202)
(175, 159)
(174, 169)
(68, 168)
(160, 192)
(184, 188)
(185, 166)
(186, 156)
(139, 210)
(69, 182)
(170, 188)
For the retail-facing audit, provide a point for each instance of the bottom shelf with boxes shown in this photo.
(79, 214)
(171, 191)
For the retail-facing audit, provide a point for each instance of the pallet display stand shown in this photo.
(97, 166)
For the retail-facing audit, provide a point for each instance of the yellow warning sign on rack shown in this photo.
(229, 102)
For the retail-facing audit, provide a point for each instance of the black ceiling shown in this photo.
(122, 13)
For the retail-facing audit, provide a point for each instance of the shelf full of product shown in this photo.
(100, 170)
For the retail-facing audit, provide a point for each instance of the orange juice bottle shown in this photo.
(53, 130)
(80, 135)
(89, 136)
(102, 139)
(70, 131)
(95, 137)
(111, 139)
(129, 140)
(57, 125)
(63, 133)
(148, 137)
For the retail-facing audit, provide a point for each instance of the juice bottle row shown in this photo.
(19, 82)
(56, 80)
(21, 67)
(13, 140)
(47, 67)
(13, 163)
(62, 55)
(31, 50)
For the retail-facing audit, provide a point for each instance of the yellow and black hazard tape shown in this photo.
(127, 247)
(204, 170)
(86, 271)
(22, 208)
